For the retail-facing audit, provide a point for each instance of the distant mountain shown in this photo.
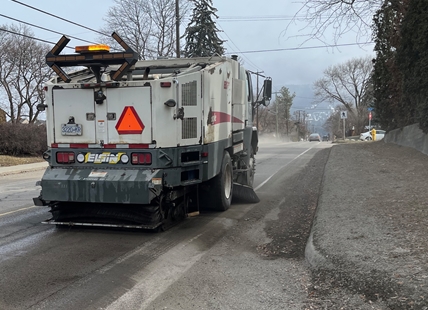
(316, 114)
(304, 96)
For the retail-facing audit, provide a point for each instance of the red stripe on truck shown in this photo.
(221, 117)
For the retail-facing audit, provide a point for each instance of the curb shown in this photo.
(314, 257)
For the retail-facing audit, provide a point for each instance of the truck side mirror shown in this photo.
(267, 89)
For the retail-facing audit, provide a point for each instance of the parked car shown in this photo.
(367, 136)
(314, 137)
(325, 138)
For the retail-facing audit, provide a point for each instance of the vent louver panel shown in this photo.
(189, 94)
(189, 129)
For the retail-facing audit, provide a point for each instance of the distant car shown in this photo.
(325, 138)
(367, 136)
(314, 137)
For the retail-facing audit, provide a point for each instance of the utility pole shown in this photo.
(276, 115)
(286, 119)
(343, 129)
(177, 28)
(301, 114)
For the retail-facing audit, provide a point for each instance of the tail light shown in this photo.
(141, 158)
(165, 84)
(65, 157)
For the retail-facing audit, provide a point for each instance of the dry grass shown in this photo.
(6, 160)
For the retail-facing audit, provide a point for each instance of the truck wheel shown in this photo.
(222, 185)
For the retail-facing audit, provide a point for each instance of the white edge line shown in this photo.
(10, 212)
(265, 181)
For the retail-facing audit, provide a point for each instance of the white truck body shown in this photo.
(222, 88)
(145, 137)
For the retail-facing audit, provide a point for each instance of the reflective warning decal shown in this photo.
(103, 158)
(129, 122)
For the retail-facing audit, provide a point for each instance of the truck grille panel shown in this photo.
(189, 129)
(188, 94)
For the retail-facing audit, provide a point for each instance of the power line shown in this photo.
(245, 52)
(258, 69)
(29, 37)
(255, 19)
(56, 16)
(53, 31)
(239, 52)
(301, 48)
(275, 18)
(278, 16)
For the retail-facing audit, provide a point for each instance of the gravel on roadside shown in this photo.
(7, 161)
(370, 232)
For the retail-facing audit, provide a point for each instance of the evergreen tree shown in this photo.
(387, 77)
(283, 102)
(201, 32)
(400, 75)
(412, 57)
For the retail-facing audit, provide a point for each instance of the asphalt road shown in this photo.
(249, 257)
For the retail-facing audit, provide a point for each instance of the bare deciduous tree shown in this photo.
(348, 84)
(276, 116)
(334, 124)
(23, 71)
(266, 120)
(148, 26)
(338, 16)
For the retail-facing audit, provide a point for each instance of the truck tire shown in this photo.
(216, 194)
(222, 186)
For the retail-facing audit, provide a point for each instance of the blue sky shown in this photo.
(259, 36)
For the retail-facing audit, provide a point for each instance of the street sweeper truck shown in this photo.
(141, 144)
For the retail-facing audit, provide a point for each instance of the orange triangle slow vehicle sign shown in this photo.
(129, 122)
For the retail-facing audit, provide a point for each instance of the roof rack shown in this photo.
(94, 60)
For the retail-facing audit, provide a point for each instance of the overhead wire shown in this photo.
(224, 19)
(255, 66)
(302, 48)
(59, 17)
(30, 37)
(273, 18)
(238, 51)
(46, 29)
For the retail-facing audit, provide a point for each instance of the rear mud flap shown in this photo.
(244, 194)
(39, 202)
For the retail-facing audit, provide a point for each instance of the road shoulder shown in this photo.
(22, 168)
(369, 233)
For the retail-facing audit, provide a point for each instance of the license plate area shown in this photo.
(71, 129)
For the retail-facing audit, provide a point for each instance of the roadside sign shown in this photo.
(370, 115)
(370, 109)
(344, 114)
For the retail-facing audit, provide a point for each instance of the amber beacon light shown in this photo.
(85, 49)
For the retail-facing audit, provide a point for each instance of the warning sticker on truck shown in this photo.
(98, 174)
